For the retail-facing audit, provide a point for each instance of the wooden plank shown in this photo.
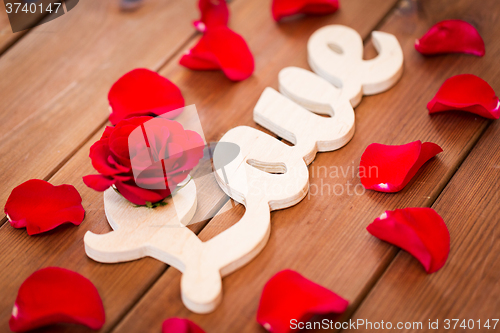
(165, 295)
(467, 286)
(7, 37)
(53, 99)
(324, 236)
(64, 247)
(58, 77)
(270, 44)
(120, 285)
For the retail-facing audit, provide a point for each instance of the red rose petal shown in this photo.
(99, 183)
(469, 93)
(288, 295)
(142, 92)
(419, 231)
(40, 206)
(180, 325)
(451, 36)
(214, 13)
(221, 48)
(387, 168)
(283, 8)
(56, 295)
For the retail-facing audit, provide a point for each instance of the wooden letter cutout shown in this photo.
(267, 174)
(335, 52)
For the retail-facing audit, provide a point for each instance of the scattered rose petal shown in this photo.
(387, 168)
(466, 92)
(283, 8)
(142, 92)
(214, 13)
(56, 295)
(419, 231)
(40, 206)
(288, 295)
(451, 36)
(220, 48)
(180, 325)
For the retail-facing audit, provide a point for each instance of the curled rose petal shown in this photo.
(220, 48)
(142, 92)
(40, 206)
(466, 92)
(451, 36)
(387, 168)
(214, 13)
(56, 295)
(419, 231)
(180, 325)
(288, 295)
(283, 8)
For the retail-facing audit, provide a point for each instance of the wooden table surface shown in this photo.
(53, 106)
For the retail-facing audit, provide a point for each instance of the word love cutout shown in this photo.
(266, 175)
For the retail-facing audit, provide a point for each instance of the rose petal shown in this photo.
(283, 8)
(419, 231)
(118, 138)
(40, 206)
(387, 168)
(214, 13)
(288, 295)
(102, 161)
(140, 196)
(221, 48)
(180, 325)
(56, 295)
(142, 92)
(451, 36)
(99, 183)
(469, 93)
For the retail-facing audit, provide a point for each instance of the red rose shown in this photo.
(172, 153)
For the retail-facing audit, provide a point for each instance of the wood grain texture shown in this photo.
(58, 77)
(53, 95)
(324, 236)
(7, 37)
(121, 285)
(63, 247)
(467, 287)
